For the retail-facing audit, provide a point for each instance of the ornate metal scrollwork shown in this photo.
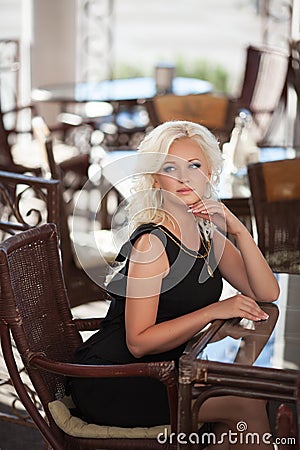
(17, 206)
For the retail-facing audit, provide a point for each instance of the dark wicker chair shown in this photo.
(81, 289)
(9, 136)
(275, 197)
(71, 149)
(275, 201)
(25, 202)
(35, 312)
(263, 88)
(214, 111)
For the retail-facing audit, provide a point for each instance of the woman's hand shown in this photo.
(218, 214)
(238, 306)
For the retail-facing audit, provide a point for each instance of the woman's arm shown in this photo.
(148, 265)
(244, 267)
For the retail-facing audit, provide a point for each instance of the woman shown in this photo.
(171, 282)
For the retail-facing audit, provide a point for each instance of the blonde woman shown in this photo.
(171, 282)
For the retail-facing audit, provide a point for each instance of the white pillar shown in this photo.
(53, 47)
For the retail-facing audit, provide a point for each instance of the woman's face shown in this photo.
(185, 172)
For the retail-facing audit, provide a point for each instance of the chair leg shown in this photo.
(285, 427)
(12, 368)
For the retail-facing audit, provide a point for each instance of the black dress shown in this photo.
(131, 402)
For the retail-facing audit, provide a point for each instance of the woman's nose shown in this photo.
(183, 176)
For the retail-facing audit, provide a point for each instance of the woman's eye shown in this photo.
(195, 165)
(168, 169)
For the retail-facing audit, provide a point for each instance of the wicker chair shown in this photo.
(8, 137)
(263, 88)
(214, 111)
(25, 202)
(81, 289)
(275, 201)
(18, 146)
(275, 197)
(35, 311)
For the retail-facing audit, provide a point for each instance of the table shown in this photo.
(127, 89)
(238, 357)
(128, 99)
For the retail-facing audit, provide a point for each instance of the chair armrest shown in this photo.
(164, 370)
(87, 324)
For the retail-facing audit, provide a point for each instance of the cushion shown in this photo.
(76, 427)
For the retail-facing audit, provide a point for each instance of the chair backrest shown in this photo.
(13, 124)
(81, 289)
(6, 160)
(35, 306)
(26, 202)
(263, 86)
(51, 169)
(275, 196)
(210, 110)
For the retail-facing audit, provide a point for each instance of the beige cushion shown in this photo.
(78, 428)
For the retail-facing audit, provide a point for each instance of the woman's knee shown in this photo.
(249, 410)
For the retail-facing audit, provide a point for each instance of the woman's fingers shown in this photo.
(245, 307)
(250, 309)
(207, 208)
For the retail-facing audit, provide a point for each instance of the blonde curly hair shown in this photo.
(144, 206)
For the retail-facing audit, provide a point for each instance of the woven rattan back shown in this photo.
(210, 110)
(35, 305)
(275, 190)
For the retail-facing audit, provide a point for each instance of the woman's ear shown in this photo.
(156, 184)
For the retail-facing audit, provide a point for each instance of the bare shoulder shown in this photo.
(148, 246)
(149, 249)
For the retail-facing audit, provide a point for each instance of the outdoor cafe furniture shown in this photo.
(119, 90)
(128, 98)
(222, 358)
(34, 308)
(81, 286)
(117, 168)
(275, 202)
(242, 358)
(25, 202)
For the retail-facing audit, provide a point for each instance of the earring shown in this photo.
(208, 192)
(160, 198)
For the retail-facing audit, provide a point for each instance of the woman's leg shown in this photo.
(246, 420)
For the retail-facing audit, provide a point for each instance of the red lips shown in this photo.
(184, 190)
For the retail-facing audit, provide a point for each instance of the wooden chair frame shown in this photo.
(48, 338)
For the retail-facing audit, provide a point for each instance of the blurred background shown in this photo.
(48, 46)
(80, 40)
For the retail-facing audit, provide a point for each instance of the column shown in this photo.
(53, 47)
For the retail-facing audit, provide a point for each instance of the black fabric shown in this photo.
(140, 402)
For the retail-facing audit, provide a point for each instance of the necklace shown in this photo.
(191, 253)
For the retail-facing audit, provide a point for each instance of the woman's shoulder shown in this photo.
(139, 237)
